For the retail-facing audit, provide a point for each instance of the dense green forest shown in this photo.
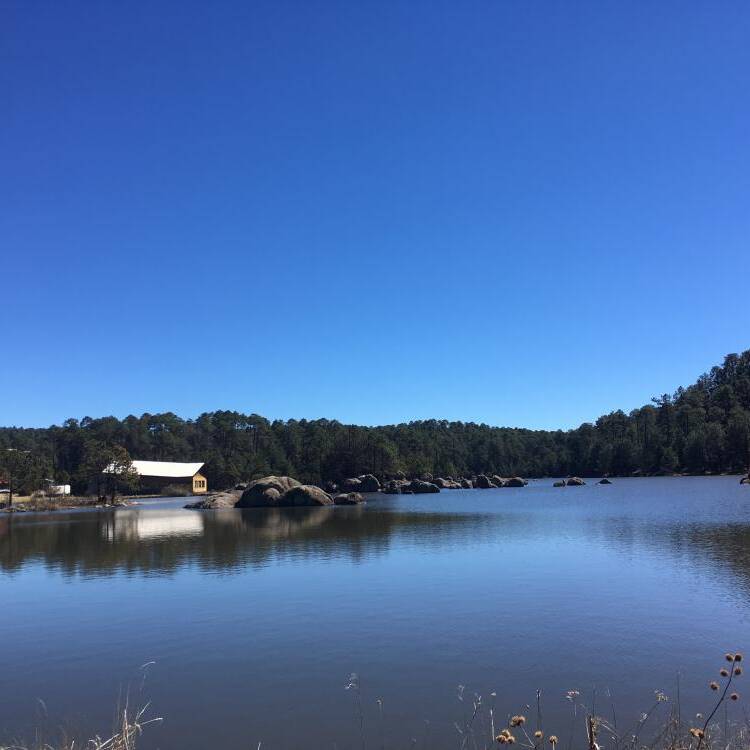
(702, 428)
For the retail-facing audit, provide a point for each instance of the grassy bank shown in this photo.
(37, 503)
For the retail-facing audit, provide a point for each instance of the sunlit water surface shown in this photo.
(254, 619)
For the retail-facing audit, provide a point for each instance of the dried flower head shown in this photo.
(501, 738)
(511, 739)
(734, 696)
(738, 670)
(738, 657)
(724, 673)
(517, 721)
(553, 739)
(729, 657)
(696, 732)
(714, 685)
(539, 734)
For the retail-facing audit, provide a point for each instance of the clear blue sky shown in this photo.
(522, 213)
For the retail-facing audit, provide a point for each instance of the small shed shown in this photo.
(155, 475)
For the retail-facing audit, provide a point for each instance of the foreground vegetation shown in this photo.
(702, 428)
(660, 727)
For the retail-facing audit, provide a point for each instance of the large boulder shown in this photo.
(418, 487)
(514, 482)
(497, 480)
(426, 477)
(349, 498)
(266, 492)
(220, 501)
(393, 487)
(467, 484)
(483, 482)
(368, 483)
(440, 483)
(304, 495)
(575, 482)
(350, 485)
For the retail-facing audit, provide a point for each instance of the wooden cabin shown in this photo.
(156, 475)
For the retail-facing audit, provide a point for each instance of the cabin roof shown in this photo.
(171, 469)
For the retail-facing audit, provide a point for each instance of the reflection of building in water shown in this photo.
(151, 524)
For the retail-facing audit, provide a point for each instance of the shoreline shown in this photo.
(25, 504)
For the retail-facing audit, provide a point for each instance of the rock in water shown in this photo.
(575, 482)
(418, 487)
(393, 487)
(745, 480)
(483, 483)
(266, 492)
(559, 483)
(215, 502)
(349, 498)
(514, 482)
(368, 483)
(604, 481)
(304, 495)
(350, 485)
(467, 484)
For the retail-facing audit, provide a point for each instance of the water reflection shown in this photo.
(162, 541)
(135, 525)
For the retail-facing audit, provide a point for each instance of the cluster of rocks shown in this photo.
(428, 483)
(286, 492)
(570, 482)
(275, 492)
(577, 482)
(745, 480)
(362, 483)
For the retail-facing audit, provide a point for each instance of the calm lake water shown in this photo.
(254, 619)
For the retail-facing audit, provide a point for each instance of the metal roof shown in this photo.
(171, 469)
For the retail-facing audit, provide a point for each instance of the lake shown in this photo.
(250, 622)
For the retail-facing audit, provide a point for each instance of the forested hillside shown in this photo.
(702, 428)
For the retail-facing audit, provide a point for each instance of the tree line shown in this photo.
(703, 428)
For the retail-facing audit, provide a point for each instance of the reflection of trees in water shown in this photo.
(721, 548)
(164, 541)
